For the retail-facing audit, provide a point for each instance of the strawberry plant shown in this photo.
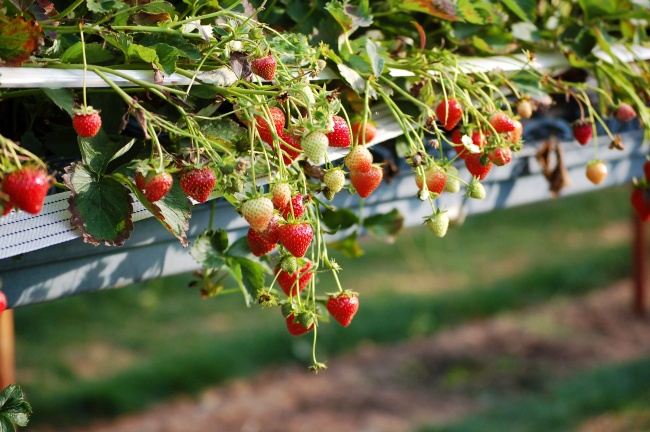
(236, 106)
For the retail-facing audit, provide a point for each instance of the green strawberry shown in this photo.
(438, 223)
(334, 180)
(453, 179)
(475, 190)
(315, 146)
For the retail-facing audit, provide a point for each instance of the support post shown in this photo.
(7, 349)
(639, 267)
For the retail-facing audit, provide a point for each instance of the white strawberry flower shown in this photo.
(469, 144)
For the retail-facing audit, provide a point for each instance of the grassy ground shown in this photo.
(121, 350)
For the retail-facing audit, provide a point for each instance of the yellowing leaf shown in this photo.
(443, 9)
(18, 39)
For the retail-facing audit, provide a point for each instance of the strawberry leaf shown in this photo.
(168, 56)
(98, 151)
(63, 98)
(14, 409)
(18, 38)
(101, 207)
(443, 9)
(95, 53)
(173, 211)
(348, 246)
(209, 248)
(385, 226)
(339, 219)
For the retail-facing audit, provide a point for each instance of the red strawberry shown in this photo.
(290, 148)
(366, 182)
(257, 212)
(474, 165)
(435, 179)
(140, 180)
(343, 307)
(641, 203)
(625, 112)
(294, 326)
(27, 188)
(596, 171)
(582, 131)
(359, 159)
(501, 122)
(340, 136)
(3, 302)
(265, 129)
(281, 194)
(287, 281)
(449, 112)
(370, 131)
(6, 207)
(158, 186)
(295, 208)
(198, 183)
(264, 67)
(86, 121)
(272, 231)
(259, 246)
(296, 237)
(646, 170)
(500, 156)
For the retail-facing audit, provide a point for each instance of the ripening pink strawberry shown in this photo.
(257, 212)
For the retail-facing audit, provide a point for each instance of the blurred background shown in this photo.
(518, 320)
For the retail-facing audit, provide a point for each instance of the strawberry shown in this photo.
(624, 112)
(140, 180)
(500, 156)
(501, 122)
(449, 112)
(295, 208)
(295, 327)
(476, 166)
(3, 302)
(259, 246)
(6, 207)
(315, 146)
(198, 183)
(272, 231)
(334, 180)
(289, 147)
(343, 307)
(281, 194)
(366, 182)
(264, 67)
(296, 237)
(27, 188)
(525, 109)
(340, 137)
(596, 171)
(86, 121)
(265, 129)
(438, 223)
(514, 135)
(370, 132)
(158, 186)
(257, 212)
(641, 203)
(582, 131)
(646, 170)
(476, 190)
(452, 185)
(359, 159)
(435, 179)
(289, 282)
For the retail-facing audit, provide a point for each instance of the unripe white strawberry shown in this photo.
(334, 180)
(438, 223)
(453, 180)
(257, 212)
(315, 146)
(476, 190)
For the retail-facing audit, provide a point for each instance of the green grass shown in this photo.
(566, 403)
(115, 351)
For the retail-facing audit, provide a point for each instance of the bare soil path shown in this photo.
(430, 380)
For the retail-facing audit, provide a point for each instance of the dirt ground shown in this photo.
(430, 380)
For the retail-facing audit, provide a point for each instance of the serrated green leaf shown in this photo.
(98, 151)
(167, 57)
(339, 219)
(142, 53)
(385, 226)
(524, 9)
(376, 60)
(225, 131)
(356, 81)
(63, 98)
(95, 53)
(101, 207)
(173, 211)
(348, 246)
(6, 425)
(443, 9)
(526, 31)
(103, 6)
(209, 248)
(184, 47)
(121, 41)
(253, 274)
(18, 39)
(599, 8)
(240, 248)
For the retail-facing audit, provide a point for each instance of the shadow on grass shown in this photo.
(385, 317)
(566, 403)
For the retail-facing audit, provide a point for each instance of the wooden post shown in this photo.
(7, 351)
(639, 266)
